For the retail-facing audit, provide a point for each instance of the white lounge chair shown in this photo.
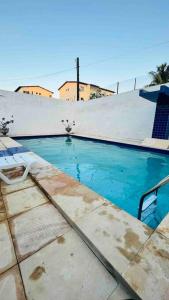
(17, 160)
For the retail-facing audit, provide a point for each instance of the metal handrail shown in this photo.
(153, 189)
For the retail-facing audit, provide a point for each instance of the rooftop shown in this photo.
(97, 86)
(28, 86)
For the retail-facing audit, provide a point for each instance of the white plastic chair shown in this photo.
(17, 160)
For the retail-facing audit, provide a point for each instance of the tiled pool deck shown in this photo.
(60, 240)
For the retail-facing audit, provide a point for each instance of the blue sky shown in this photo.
(45, 36)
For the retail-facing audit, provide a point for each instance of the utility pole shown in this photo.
(117, 87)
(135, 83)
(77, 68)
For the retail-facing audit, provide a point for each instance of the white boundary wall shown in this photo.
(126, 115)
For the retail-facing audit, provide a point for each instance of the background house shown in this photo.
(34, 90)
(68, 91)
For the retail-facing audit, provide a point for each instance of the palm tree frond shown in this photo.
(161, 75)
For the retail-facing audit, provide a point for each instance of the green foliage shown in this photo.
(96, 95)
(161, 75)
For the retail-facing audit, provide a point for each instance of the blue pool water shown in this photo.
(118, 173)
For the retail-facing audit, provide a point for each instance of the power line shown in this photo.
(40, 76)
(82, 66)
(141, 76)
(116, 57)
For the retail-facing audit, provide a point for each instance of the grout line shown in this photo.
(22, 212)
(21, 189)
(164, 236)
(19, 214)
(43, 246)
(17, 262)
(113, 291)
(11, 236)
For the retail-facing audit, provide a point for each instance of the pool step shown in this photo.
(151, 199)
(148, 212)
(148, 207)
(146, 201)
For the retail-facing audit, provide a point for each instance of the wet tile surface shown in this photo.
(7, 255)
(2, 216)
(77, 201)
(148, 275)
(35, 228)
(116, 235)
(163, 227)
(2, 210)
(23, 200)
(66, 269)
(2, 207)
(6, 188)
(11, 287)
(55, 184)
(45, 172)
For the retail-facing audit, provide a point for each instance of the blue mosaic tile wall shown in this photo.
(161, 121)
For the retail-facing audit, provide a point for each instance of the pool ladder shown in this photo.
(148, 201)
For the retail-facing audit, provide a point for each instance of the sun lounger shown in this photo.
(13, 161)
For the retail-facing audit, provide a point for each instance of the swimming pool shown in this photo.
(120, 174)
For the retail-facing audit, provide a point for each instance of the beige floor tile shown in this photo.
(55, 184)
(2, 210)
(163, 227)
(148, 274)
(66, 269)
(11, 287)
(8, 142)
(2, 206)
(6, 188)
(35, 228)
(77, 201)
(7, 254)
(121, 293)
(2, 216)
(43, 172)
(23, 200)
(114, 234)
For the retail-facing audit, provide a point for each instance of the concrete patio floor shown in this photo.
(42, 257)
(60, 240)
